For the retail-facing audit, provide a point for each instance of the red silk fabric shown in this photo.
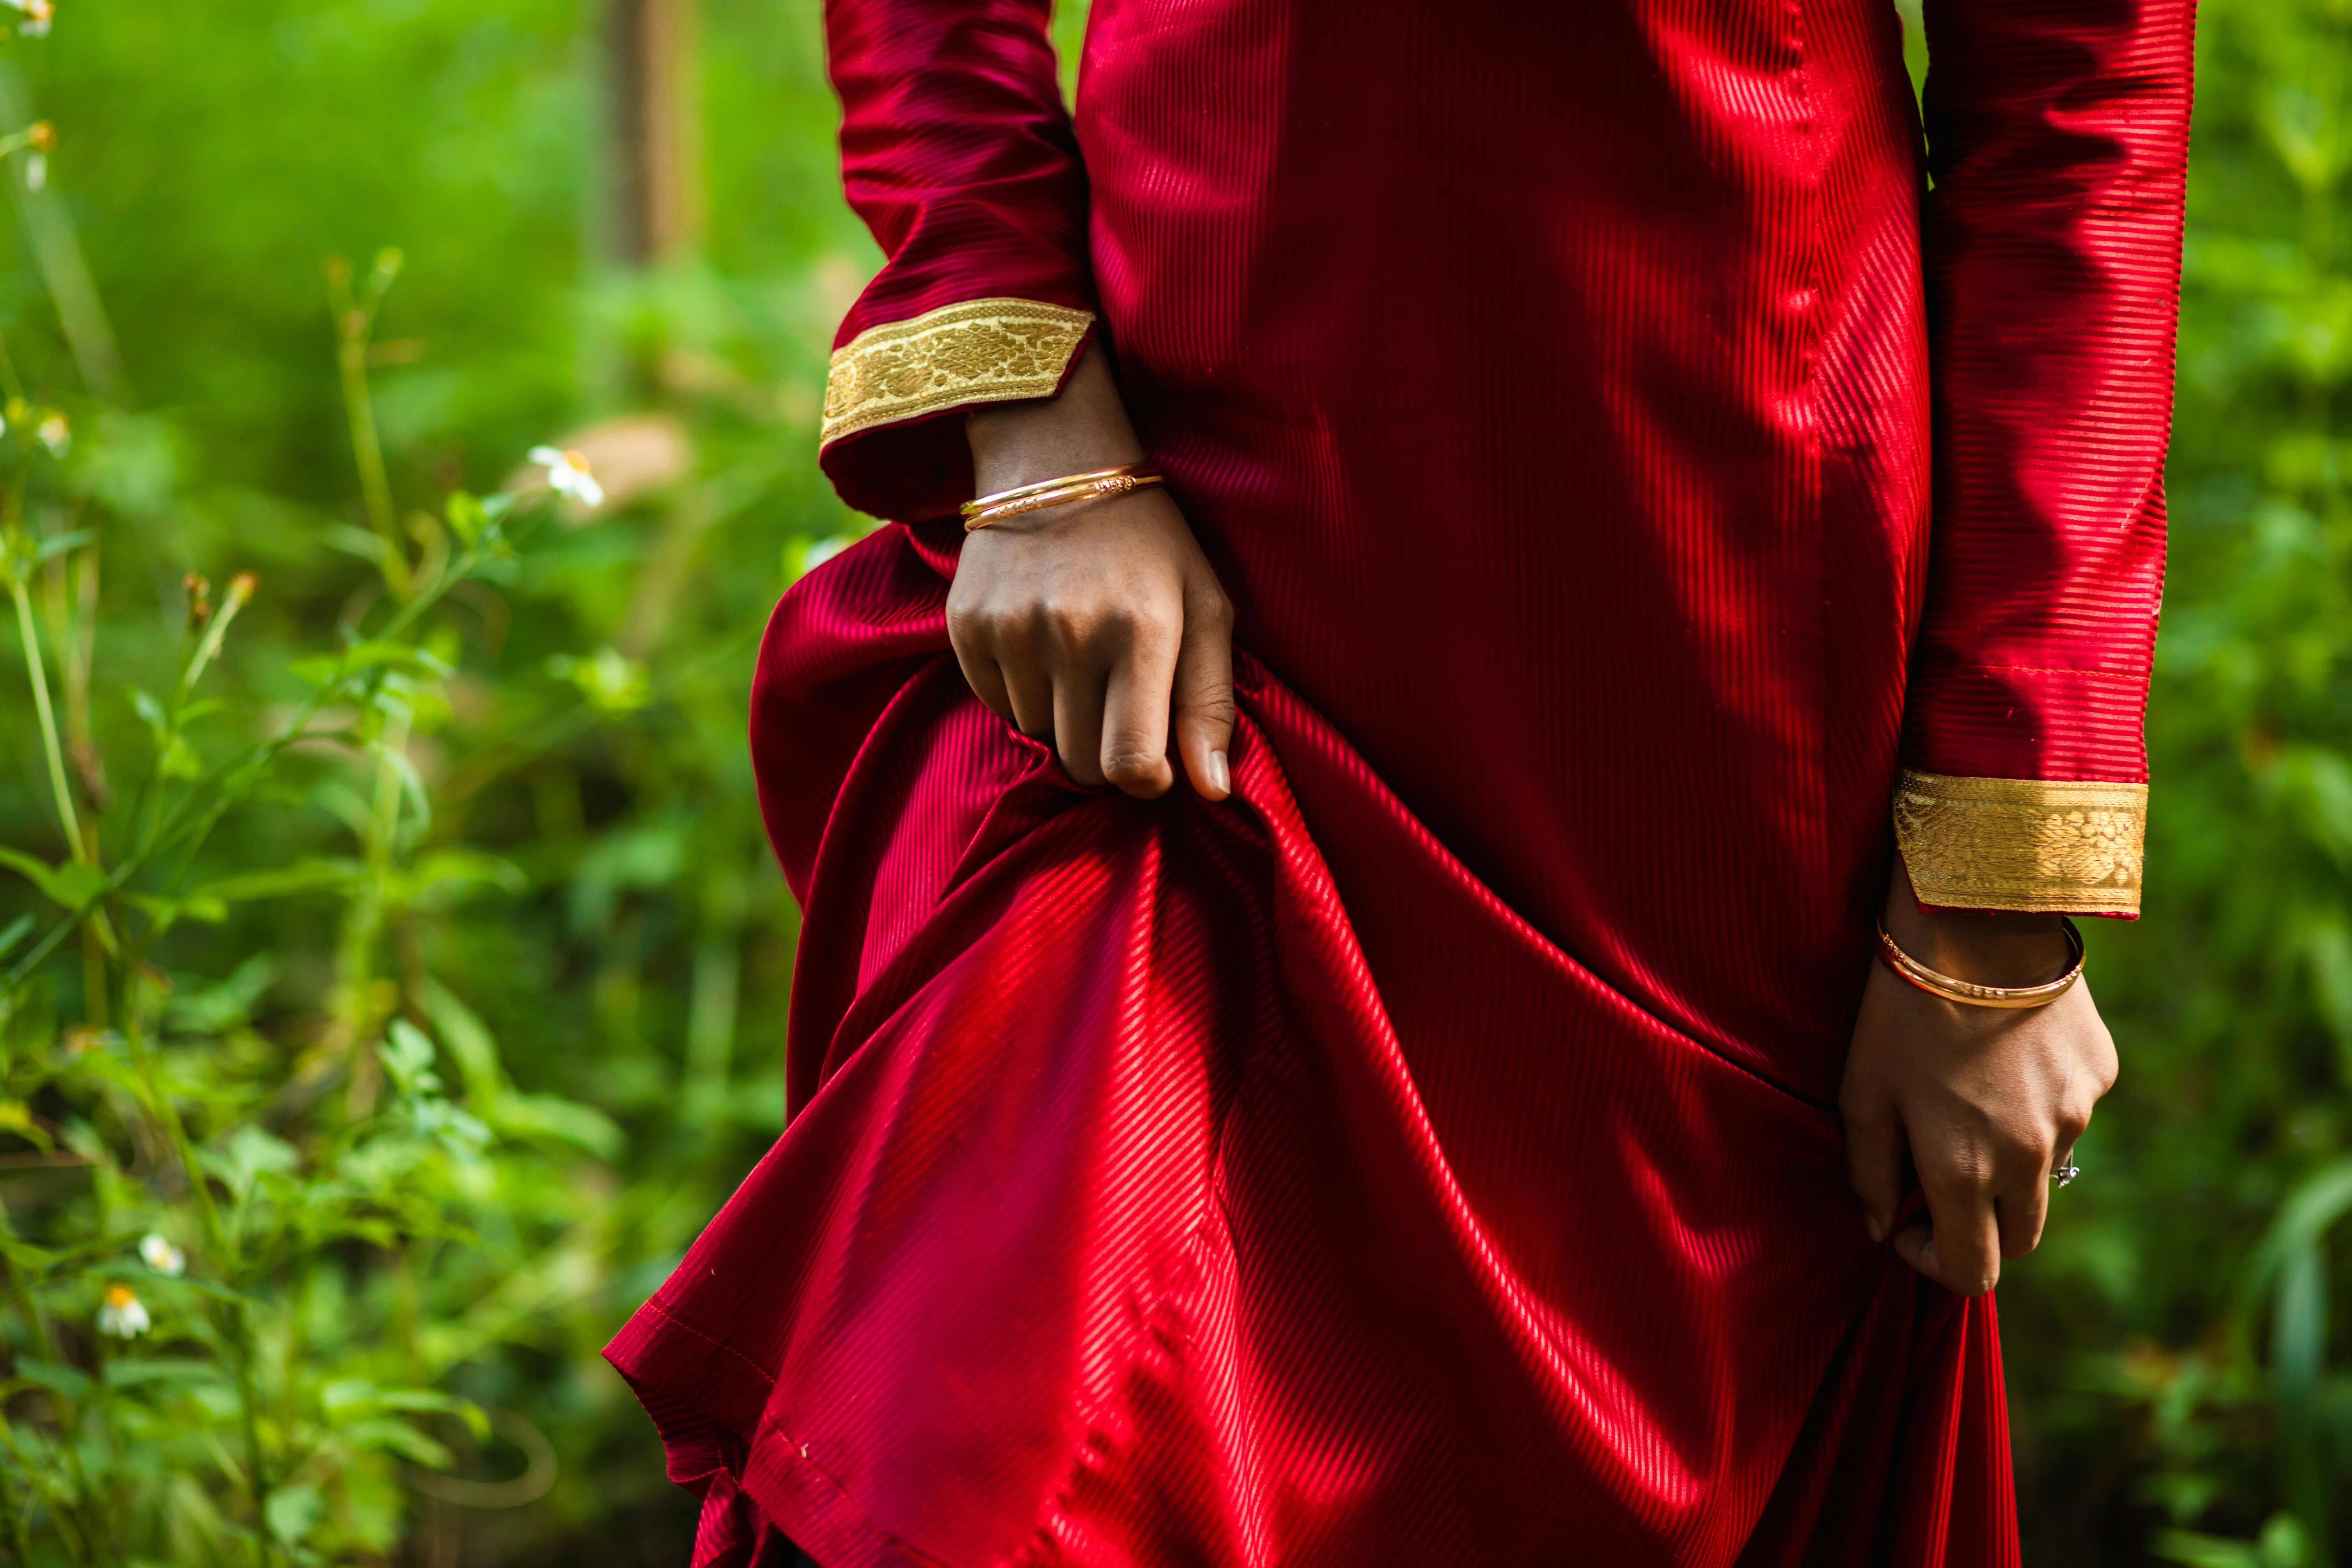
(1179, 1186)
(1429, 1157)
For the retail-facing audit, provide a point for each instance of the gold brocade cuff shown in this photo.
(2039, 844)
(982, 351)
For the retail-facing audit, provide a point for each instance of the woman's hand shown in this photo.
(1096, 627)
(1988, 1099)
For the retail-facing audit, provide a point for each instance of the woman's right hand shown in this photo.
(1096, 627)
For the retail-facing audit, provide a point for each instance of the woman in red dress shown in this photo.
(1336, 1022)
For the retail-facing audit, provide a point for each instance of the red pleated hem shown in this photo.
(1171, 1186)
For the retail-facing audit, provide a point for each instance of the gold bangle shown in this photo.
(1116, 481)
(1906, 967)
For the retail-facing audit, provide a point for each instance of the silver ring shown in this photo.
(2066, 1172)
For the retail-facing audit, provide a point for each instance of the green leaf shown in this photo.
(167, 912)
(467, 517)
(397, 1438)
(181, 761)
(27, 1257)
(57, 546)
(346, 1394)
(68, 1381)
(408, 1056)
(16, 1120)
(247, 1156)
(16, 931)
(71, 885)
(322, 669)
(302, 877)
(2306, 1215)
(293, 1511)
(216, 1009)
(544, 1118)
(359, 541)
(125, 1372)
(146, 705)
(440, 877)
(468, 1040)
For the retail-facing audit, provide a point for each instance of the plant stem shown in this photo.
(220, 1243)
(9, 381)
(20, 1540)
(70, 1526)
(34, 669)
(227, 783)
(367, 450)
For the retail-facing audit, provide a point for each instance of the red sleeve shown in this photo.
(957, 154)
(2057, 135)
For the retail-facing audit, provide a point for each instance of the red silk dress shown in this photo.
(1647, 502)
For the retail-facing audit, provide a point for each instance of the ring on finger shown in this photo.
(2064, 1173)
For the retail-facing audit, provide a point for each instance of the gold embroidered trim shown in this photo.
(2021, 844)
(983, 350)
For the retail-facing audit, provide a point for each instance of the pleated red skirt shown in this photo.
(1246, 1184)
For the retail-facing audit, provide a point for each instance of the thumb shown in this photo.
(1203, 695)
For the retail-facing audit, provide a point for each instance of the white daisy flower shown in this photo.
(54, 434)
(121, 1314)
(567, 474)
(162, 1257)
(38, 14)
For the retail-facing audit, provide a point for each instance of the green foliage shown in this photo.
(2175, 1350)
(395, 970)
(392, 966)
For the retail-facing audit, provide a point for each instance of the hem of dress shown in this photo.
(809, 1508)
(697, 1389)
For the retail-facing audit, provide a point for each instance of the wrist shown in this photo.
(1988, 947)
(1082, 429)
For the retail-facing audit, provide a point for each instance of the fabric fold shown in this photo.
(1155, 1196)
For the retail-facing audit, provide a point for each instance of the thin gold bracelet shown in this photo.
(1906, 967)
(1014, 502)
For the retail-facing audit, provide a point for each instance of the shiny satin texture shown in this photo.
(1430, 1156)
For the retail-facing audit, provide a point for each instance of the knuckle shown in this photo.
(1067, 623)
(2017, 1149)
(1132, 765)
(1149, 628)
(1966, 1168)
(971, 625)
(1216, 710)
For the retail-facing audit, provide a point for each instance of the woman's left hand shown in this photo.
(1988, 1101)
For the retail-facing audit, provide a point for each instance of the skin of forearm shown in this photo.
(1989, 947)
(1083, 429)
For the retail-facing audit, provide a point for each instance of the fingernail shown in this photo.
(1221, 776)
(1877, 1231)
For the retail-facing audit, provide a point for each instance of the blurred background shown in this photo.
(377, 836)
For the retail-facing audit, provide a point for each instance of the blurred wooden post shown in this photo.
(657, 212)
